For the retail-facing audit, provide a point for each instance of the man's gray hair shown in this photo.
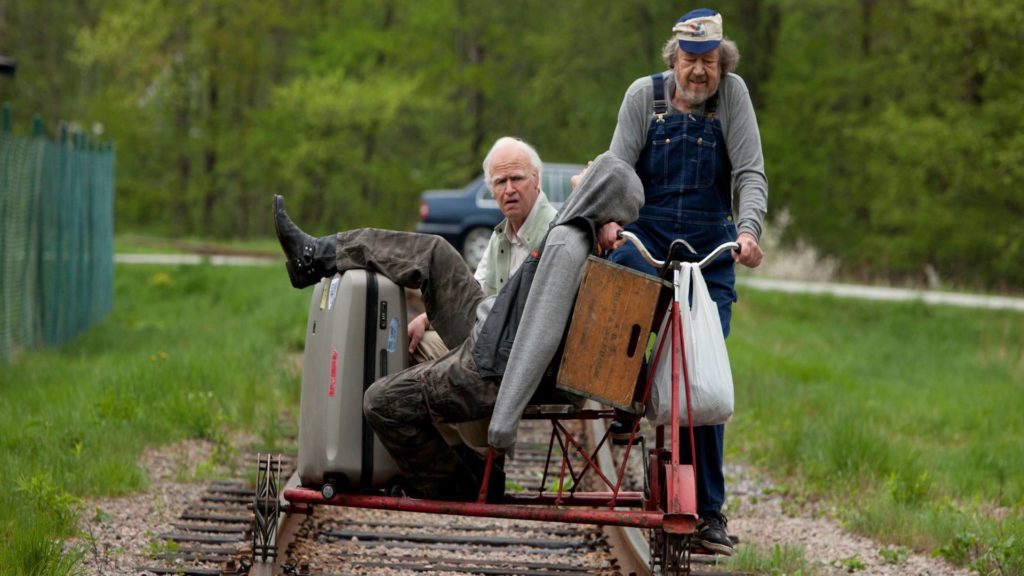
(522, 145)
(728, 54)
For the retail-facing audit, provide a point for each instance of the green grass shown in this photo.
(778, 560)
(187, 353)
(906, 417)
(129, 243)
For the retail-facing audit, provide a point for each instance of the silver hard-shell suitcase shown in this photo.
(356, 334)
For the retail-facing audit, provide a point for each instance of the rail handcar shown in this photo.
(666, 505)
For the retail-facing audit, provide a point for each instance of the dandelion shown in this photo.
(160, 279)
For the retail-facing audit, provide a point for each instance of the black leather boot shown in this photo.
(478, 465)
(308, 259)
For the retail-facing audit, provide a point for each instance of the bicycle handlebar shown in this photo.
(629, 236)
(715, 253)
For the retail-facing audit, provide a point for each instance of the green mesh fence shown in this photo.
(56, 238)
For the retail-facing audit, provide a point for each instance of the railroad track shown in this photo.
(215, 534)
(346, 541)
(631, 545)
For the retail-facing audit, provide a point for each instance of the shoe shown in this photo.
(308, 259)
(712, 534)
(446, 495)
(621, 428)
(456, 494)
(462, 488)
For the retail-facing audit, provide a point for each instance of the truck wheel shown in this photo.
(475, 244)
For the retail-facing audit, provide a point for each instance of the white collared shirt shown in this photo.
(519, 250)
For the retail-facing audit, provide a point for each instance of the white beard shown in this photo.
(692, 97)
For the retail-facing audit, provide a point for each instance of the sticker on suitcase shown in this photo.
(334, 373)
(323, 299)
(392, 335)
(334, 291)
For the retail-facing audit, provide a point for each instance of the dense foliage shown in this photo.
(892, 131)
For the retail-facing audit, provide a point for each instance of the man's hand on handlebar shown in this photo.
(750, 253)
(608, 237)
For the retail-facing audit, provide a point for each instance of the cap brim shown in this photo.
(698, 47)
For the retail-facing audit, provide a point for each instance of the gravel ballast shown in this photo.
(121, 532)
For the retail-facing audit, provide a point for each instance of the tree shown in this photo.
(893, 143)
(892, 132)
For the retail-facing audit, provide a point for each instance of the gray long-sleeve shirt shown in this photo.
(742, 140)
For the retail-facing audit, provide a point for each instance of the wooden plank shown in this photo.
(611, 323)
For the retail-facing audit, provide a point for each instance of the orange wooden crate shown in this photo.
(615, 312)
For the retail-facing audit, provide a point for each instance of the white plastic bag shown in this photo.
(707, 361)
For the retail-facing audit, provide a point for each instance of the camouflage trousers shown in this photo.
(472, 434)
(403, 408)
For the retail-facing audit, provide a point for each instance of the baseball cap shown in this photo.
(699, 31)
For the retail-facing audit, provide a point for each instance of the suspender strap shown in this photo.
(660, 105)
(711, 106)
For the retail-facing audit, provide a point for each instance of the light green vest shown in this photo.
(500, 249)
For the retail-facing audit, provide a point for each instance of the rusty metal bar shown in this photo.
(595, 499)
(583, 453)
(636, 518)
(578, 415)
(486, 482)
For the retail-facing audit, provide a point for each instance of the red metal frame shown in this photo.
(672, 505)
(573, 515)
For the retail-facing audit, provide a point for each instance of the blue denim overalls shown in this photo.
(686, 174)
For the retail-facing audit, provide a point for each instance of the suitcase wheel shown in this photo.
(327, 491)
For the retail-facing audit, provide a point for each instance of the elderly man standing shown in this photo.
(691, 134)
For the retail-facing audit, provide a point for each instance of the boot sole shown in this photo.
(717, 547)
(298, 280)
(278, 207)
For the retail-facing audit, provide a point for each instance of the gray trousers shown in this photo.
(402, 408)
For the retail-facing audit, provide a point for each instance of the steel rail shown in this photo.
(632, 542)
(603, 517)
